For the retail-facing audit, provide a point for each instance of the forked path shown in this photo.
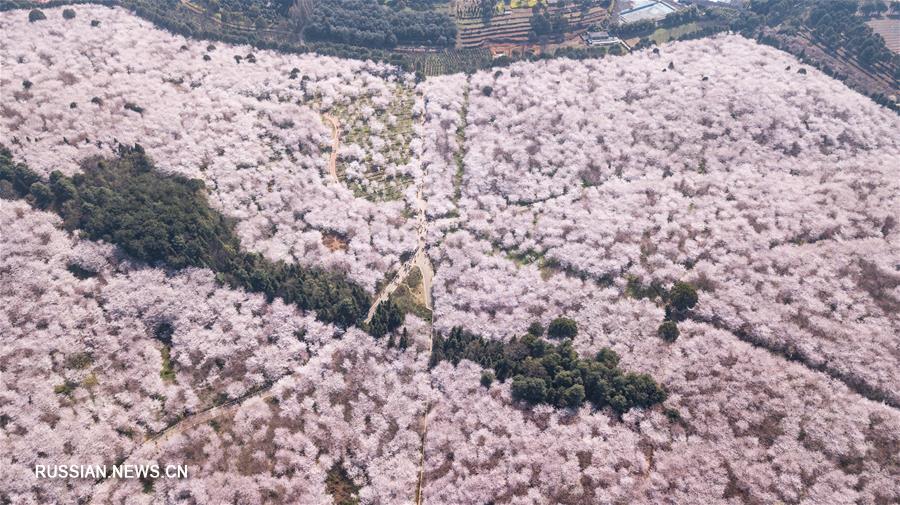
(335, 145)
(419, 259)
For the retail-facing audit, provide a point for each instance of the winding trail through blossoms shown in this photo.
(186, 423)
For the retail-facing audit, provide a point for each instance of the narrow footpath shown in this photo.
(335, 145)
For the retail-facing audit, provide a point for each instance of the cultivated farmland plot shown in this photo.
(583, 189)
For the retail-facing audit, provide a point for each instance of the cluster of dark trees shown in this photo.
(418, 5)
(387, 318)
(679, 301)
(544, 372)
(166, 220)
(170, 15)
(636, 29)
(544, 24)
(837, 24)
(370, 24)
(681, 17)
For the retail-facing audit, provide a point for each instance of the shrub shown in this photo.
(36, 15)
(40, 195)
(673, 415)
(134, 107)
(562, 327)
(66, 388)
(167, 373)
(668, 331)
(683, 296)
(487, 378)
(536, 329)
(529, 389)
(163, 332)
(415, 278)
(80, 272)
(68, 14)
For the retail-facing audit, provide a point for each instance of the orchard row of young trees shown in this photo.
(327, 39)
(839, 25)
(167, 220)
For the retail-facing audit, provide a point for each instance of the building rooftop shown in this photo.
(653, 11)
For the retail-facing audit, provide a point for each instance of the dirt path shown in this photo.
(207, 415)
(335, 145)
(420, 484)
(185, 424)
(419, 259)
(421, 480)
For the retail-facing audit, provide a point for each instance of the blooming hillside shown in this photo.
(777, 194)
(249, 123)
(719, 170)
